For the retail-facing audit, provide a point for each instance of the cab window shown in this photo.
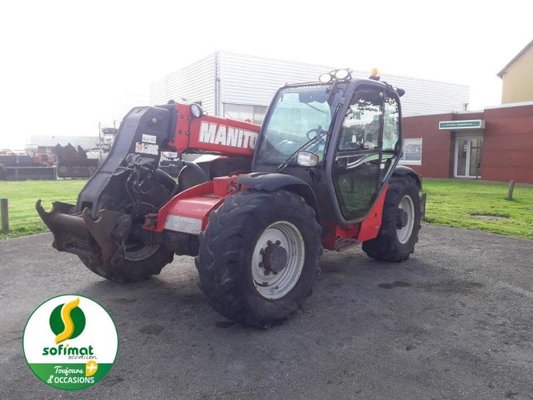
(356, 174)
(361, 125)
(391, 124)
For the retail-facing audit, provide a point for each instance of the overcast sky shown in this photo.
(66, 65)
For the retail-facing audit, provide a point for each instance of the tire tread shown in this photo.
(221, 257)
(386, 246)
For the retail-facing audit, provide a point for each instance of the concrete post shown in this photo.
(4, 215)
(510, 190)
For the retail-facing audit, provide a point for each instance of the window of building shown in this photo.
(245, 112)
(412, 152)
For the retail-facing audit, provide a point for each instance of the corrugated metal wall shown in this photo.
(254, 80)
(195, 82)
(423, 97)
(244, 79)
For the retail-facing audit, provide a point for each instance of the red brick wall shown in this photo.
(466, 116)
(508, 145)
(437, 152)
(507, 151)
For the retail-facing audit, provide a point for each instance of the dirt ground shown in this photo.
(453, 322)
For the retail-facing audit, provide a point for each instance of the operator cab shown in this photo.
(340, 135)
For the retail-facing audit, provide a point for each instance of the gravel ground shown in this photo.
(453, 322)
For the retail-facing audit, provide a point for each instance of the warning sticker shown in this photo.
(149, 138)
(145, 148)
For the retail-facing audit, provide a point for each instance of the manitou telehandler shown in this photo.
(321, 172)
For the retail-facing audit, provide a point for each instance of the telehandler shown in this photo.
(321, 172)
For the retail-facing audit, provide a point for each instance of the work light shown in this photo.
(325, 78)
(196, 110)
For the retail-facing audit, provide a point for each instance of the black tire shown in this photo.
(224, 261)
(141, 261)
(129, 270)
(387, 246)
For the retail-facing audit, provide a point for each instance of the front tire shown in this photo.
(137, 266)
(400, 225)
(258, 256)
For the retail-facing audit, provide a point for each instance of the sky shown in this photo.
(67, 66)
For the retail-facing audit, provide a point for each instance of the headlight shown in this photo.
(196, 110)
(325, 78)
(342, 74)
(336, 74)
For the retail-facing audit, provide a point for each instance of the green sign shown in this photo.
(460, 125)
(70, 342)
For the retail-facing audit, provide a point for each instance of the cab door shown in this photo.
(363, 160)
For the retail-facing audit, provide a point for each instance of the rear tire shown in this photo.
(131, 270)
(396, 242)
(231, 260)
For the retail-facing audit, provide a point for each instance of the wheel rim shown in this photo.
(270, 284)
(136, 249)
(406, 205)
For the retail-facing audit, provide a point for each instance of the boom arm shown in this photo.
(128, 185)
(212, 134)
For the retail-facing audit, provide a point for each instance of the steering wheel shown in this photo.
(317, 131)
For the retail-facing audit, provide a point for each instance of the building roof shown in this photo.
(530, 44)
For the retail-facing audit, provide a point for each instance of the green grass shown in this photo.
(480, 205)
(22, 195)
(456, 203)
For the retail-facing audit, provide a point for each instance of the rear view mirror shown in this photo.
(307, 159)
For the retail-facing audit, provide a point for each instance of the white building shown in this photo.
(241, 86)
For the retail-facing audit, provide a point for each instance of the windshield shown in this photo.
(298, 115)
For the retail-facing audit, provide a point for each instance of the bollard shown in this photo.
(4, 215)
(423, 199)
(510, 190)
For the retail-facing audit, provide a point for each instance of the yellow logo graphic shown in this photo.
(90, 368)
(67, 321)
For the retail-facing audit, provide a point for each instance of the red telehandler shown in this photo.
(321, 172)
